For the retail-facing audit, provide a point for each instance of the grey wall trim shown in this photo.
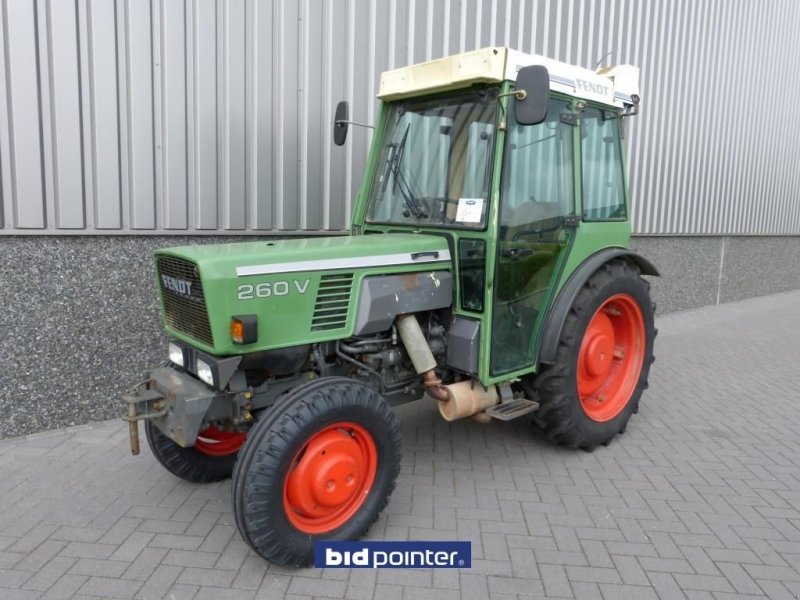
(698, 271)
(205, 116)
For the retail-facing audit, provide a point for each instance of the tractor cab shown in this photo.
(505, 155)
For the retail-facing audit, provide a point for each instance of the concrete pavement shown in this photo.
(700, 499)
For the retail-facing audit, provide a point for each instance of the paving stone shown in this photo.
(699, 500)
(180, 591)
(160, 581)
(50, 573)
(708, 583)
(208, 577)
(40, 556)
(9, 578)
(317, 587)
(215, 593)
(273, 586)
(251, 573)
(65, 588)
(16, 594)
(89, 550)
(612, 591)
(554, 579)
(191, 558)
(108, 587)
(145, 564)
(99, 568)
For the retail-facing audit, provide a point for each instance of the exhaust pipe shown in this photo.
(421, 356)
(457, 400)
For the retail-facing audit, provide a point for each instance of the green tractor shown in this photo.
(486, 268)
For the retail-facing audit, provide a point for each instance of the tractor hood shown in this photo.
(246, 259)
(300, 290)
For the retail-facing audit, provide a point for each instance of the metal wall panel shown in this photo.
(215, 116)
(24, 203)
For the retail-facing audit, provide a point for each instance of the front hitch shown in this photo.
(143, 402)
(176, 403)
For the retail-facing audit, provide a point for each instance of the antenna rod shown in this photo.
(606, 55)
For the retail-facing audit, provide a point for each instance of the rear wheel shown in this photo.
(320, 465)
(211, 458)
(603, 360)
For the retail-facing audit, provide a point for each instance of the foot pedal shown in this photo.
(505, 411)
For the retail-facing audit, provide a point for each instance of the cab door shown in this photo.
(537, 200)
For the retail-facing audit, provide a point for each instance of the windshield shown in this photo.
(435, 162)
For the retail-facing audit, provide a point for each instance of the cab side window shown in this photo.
(537, 174)
(603, 176)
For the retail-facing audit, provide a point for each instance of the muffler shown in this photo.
(457, 400)
(467, 398)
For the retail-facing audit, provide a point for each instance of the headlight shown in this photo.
(204, 372)
(176, 354)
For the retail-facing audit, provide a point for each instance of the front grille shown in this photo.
(333, 300)
(184, 312)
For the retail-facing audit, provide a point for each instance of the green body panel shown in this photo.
(591, 238)
(286, 319)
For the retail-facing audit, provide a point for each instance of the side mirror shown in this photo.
(340, 123)
(531, 109)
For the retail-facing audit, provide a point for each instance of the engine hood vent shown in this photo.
(333, 302)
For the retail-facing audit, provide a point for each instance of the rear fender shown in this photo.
(554, 323)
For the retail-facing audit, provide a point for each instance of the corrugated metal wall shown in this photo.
(207, 115)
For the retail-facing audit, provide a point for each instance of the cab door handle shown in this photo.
(431, 253)
(516, 252)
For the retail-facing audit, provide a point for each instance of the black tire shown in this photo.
(187, 463)
(561, 414)
(272, 447)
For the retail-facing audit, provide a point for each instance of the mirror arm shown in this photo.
(518, 94)
(343, 122)
(631, 110)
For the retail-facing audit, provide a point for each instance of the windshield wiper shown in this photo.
(393, 168)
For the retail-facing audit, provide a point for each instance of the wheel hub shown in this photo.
(599, 352)
(330, 477)
(328, 473)
(610, 357)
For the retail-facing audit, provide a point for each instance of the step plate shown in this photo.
(505, 411)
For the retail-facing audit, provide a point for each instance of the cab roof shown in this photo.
(616, 86)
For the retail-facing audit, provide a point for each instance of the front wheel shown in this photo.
(320, 465)
(603, 360)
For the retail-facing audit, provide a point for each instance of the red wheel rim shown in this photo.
(611, 356)
(215, 442)
(330, 477)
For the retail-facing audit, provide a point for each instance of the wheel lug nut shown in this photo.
(329, 484)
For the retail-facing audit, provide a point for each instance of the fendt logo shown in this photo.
(589, 86)
(393, 555)
(179, 286)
